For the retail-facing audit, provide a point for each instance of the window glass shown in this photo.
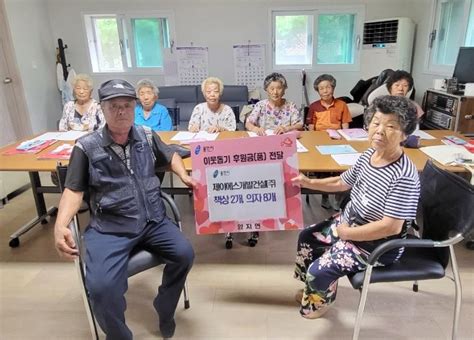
(335, 39)
(107, 40)
(450, 26)
(293, 40)
(148, 34)
(470, 28)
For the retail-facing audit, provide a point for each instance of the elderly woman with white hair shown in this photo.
(212, 116)
(274, 113)
(148, 111)
(83, 113)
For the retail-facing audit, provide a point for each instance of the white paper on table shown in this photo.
(300, 147)
(69, 135)
(447, 154)
(47, 136)
(422, 134)
(183, 136)
(206, 135)
(346, 158)
(268, 132)
(72, 135)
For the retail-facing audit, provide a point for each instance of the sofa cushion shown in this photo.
(233, 95)
(185, 96)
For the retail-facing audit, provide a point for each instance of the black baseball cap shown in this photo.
(116, 88)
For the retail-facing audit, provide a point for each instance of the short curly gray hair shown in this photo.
(147, 83)
(402, 107)
(324, 77)
(275, 77)
(85, 78)
(212, 80)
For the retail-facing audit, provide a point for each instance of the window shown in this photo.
(125, 43)
(453, 27)
(323, 39)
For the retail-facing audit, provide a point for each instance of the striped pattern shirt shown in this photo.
(392, 190)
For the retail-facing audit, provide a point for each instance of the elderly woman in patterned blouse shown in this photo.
(84, 113)
(212, 116)
(274, 113)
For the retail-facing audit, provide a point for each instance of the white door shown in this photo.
(7, 134)
(14, 118)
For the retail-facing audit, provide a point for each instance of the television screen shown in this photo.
(464, 69)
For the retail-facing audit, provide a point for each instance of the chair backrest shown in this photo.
(382, 90)
(173, 110)
(447, 203)
(380, 80)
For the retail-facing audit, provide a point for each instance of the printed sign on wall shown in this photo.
(242, 191)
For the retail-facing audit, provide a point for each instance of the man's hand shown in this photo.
(64, 243)
(189, 181)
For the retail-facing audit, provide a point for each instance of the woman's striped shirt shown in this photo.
(392, 190)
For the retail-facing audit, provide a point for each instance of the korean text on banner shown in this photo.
(242, 191)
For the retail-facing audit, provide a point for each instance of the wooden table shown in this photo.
(311, 161)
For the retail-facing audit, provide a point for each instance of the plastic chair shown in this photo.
(140, 259)
(447, 220)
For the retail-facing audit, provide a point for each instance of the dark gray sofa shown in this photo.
(188, 96)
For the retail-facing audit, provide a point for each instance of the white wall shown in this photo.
(36, 58)
(217, 24)
(212, 23)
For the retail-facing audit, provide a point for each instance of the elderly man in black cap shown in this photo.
(117, 165)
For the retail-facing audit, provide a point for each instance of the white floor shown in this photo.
(243, 293)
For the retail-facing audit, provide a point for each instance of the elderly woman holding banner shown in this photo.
(383, 201)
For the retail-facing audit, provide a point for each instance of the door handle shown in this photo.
(7, 80)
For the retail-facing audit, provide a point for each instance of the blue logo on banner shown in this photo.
(215, 173)
(197, 150)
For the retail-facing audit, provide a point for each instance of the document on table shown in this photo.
(422, 134)
(449, 154)
(346, 158)
(335, 149)
(187, 137)
(67, 135)
(300, 147)
(267, 133)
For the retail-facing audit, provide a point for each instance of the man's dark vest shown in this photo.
(122, 200)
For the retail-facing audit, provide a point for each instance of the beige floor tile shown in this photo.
(242, 293)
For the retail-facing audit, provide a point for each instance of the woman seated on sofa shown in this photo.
(148, 111)
(84, 113)
(212, 116)
(384, 196)
(274, 113)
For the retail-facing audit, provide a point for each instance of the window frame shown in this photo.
(433, 46)
(315, 11)
(127, 43)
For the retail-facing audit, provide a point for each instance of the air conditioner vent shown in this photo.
(384, 32)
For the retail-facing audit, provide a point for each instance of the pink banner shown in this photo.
(244, 185)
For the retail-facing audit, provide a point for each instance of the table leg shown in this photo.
(41, 211)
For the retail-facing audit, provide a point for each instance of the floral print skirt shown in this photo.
(322, 258)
